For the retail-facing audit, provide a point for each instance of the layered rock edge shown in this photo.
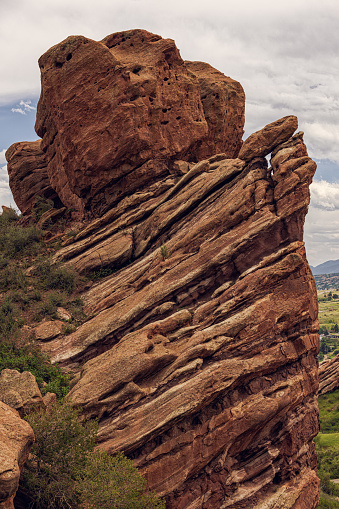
(199, 353)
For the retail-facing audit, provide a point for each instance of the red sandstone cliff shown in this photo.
(199, 353)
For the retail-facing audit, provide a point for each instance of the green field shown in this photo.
(328, 311)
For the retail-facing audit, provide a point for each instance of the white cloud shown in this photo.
(25, 107)
(2, 156)
(6, 197)
(325, 195)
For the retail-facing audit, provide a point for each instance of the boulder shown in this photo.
(262, 143)
(48, 330)
(149, 106)
(16, 440)
(20, 391)
(28, 178)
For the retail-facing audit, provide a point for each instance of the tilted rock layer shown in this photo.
(199, 352)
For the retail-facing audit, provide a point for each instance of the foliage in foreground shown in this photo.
(64, 472)
(326, 502)
(29, 358)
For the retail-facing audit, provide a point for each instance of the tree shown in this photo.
(113, 482)
(64, 472)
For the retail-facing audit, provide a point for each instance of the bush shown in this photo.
(64, 471)
(52, 276)
(28, 358)
(112, 481)
(59, 454)
(16, 239)
(327, 502)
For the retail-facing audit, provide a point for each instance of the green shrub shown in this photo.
(9, 321)
(64, 471)
(12, 278)
(49, 306)
(29, 358)
(52, 276)
(326, 484)
(41, 205)
(16, 239)
(326, 502)
(112, 481)
(59, 453)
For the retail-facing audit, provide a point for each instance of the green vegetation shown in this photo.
(28, 357)
(32, 288)
(64, 471)
(164, 252)
(327, 446)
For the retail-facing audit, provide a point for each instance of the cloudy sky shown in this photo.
(285, 55)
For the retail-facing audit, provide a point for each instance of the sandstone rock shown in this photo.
(329, 375)
(49, 398)
(27, 170)
(48, 330)
(20, 391)
(198, 356)
(16, 439)
(222, 376)
(63, 314)
(50, 216)
(149, 106)
(261, 143)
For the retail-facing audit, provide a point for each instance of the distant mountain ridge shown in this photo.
(329, 267)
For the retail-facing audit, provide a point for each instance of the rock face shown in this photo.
(16, 440)
(113, 115)
(20, 391)
(199, 352)
(329, 375)
(28, 175)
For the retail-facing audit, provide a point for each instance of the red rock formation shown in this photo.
(208, 375)
(16, 440)
(114, 114)
(28, 175)
(329, 375)
(199, 353)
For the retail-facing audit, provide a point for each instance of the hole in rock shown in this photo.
(178, 118)
(164, 110)
(136, 70)
(165, 78)
(69, 56)
(164, 122)
(58, 65)
(277, 478)
(133, 98)
(196, 421)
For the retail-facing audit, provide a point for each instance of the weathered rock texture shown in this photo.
(16, 440)
(113, 115)
(28, 175)
(199, 352)
(329, 375)
(20, 391)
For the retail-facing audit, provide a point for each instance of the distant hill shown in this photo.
(329, 267)
(327, 281)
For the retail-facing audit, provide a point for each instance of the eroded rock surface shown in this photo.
(113, 115)
(198, 356)
(329, 375)
(16, 440)
(20, 391)
(208, 371)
